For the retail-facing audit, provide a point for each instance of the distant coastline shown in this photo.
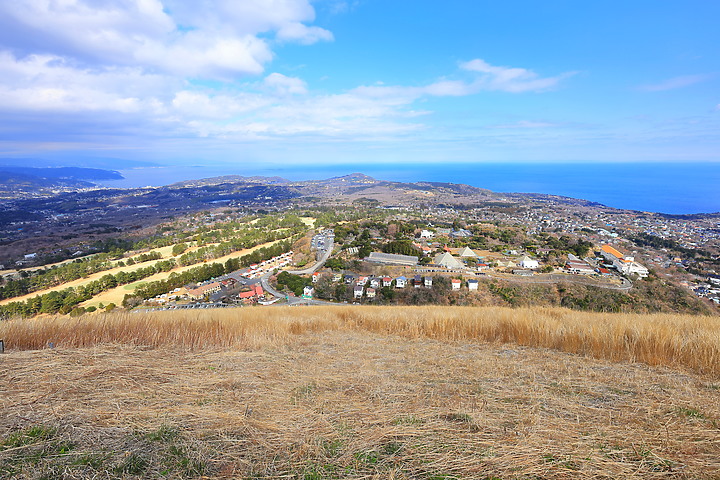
(673, 188)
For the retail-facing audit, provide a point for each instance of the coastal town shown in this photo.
(355, 239)
(347, 274)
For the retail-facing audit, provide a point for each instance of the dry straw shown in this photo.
(656, 339)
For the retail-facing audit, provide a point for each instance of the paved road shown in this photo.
(290, 300)
(319, 264)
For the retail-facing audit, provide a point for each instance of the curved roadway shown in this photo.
(297, 300)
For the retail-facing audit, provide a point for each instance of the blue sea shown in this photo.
(676, 188)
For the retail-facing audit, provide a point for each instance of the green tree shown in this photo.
(179, 249)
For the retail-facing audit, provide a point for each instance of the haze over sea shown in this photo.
(675, 188)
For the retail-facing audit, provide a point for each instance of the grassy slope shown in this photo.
(346, 403)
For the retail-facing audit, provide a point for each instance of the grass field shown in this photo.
(116, 295)
(681, 341)
(166, 252)
(371, 393)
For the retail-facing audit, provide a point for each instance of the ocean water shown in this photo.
(676, 188)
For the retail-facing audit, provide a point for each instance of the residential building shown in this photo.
(201, 291)
(529, 263)
(578, 266)
(623, 263)
(455, 283)
(523, 273)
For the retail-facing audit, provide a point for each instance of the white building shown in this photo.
(455, 283)
(529, 263)
(448, 261)
(472, 284)
(624, 263)
(578, 266)
(467, 253)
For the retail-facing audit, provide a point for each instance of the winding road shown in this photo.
(298, 300)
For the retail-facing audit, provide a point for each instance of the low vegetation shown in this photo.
(310, 394)
(691, 342)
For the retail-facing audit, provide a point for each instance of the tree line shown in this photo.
(204, 272)
(64, 301)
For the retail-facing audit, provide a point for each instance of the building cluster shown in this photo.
(236, 287)
(368, 286)
(709, 289)
(624, 264)
(256, 270)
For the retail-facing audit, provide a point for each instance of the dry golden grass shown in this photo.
(338, 402)
(691, 342)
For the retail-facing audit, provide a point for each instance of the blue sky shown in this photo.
(280, 82)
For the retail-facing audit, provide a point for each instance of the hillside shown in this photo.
(358, 393)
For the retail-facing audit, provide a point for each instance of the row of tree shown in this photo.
(84, 267)
(63, 301)
(204, 272)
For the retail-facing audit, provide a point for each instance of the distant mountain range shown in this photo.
(63, 173)
(358, 186)
(25, 183)
(16, 181)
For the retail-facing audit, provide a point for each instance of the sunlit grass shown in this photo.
(655, 339)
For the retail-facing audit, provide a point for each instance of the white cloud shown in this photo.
(283, 85)
(48, 83)
(676, 82)
(191, 105)
(508, 79)
(149, 61)
(303, 34)
(490, 78)
(219, 39)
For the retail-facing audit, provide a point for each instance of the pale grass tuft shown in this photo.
(656, 339)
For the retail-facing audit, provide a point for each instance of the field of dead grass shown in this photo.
(681, 341)
(313, 402)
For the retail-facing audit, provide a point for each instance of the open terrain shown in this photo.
(313, 393)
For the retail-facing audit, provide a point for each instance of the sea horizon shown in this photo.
(670, 188)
